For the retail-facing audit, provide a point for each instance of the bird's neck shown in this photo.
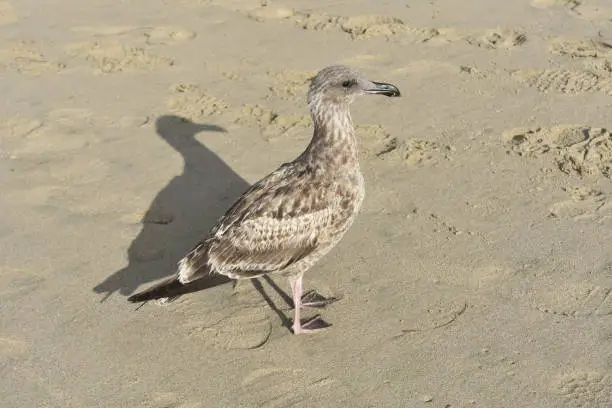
(333, 145)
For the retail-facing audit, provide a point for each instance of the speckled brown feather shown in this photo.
(281, 220)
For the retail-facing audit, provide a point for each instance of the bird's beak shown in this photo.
(381, 88)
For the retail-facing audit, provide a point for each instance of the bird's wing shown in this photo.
(277, 222)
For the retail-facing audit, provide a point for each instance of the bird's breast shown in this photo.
(349, 194)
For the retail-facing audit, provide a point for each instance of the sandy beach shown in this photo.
(478, 273)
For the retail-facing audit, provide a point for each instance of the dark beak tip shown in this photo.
(385, 89)
(391, 93)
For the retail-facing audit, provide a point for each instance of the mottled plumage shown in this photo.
(291, 218)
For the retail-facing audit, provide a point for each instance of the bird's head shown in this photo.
(339, 85)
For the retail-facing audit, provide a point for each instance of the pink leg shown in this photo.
(314, 324)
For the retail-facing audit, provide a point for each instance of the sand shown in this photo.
(478, 274)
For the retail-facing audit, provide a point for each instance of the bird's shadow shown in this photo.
(181, 213)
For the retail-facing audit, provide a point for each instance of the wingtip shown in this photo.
(134, 299)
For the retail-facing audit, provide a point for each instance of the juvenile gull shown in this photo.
(294, 216)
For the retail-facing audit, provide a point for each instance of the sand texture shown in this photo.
(478, 274)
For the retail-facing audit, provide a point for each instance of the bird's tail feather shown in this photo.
(167, 288)
(172, 287)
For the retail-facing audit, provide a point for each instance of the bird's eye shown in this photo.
(347, 84)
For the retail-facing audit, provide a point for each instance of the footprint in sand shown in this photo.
(232, 76)
(25, 57)
(577, 150)
(8, 15)
(243, 328)
(585, 389)
(443, 225)
(390, 28)
(435, 314)
(597, 78)
(586, 48)
(168, 35)
(584, 204)
(289, 85)
(572, 299)
(497, 39)
(377, 142)
(273, 387)
(424, 152)
(191, 102)
(420, 307)
(357, 27)
(161, 35)
(272, 125)
(126, 48)
(109, 56)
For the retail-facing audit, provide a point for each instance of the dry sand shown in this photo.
(478, 274)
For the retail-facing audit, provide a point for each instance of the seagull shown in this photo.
(290, 219)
